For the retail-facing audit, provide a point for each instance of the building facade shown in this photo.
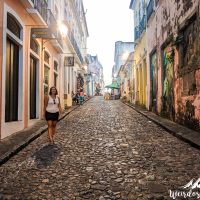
(168, 44)
(95, 78)
(122, 49)
(140, 52)
(127, 79)
(76, 45)
(30, 65)
(174, 47)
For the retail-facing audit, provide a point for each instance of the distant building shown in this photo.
(95, 78)
(127, 78)
(140, 53)
(121, 49)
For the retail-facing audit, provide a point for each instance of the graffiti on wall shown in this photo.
(154, 80)
(189, 51)
(168, 89)
(189, 46)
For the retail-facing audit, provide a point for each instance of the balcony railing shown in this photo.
(140, 28)
(42, 7)
(150, 9)
(75, 45)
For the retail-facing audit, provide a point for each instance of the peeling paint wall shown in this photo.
(173, 31)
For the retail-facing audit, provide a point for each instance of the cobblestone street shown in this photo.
(103, 150)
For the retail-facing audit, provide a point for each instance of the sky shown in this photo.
(108, 21)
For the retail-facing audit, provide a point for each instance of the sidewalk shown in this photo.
(190, 136)
(13, 144)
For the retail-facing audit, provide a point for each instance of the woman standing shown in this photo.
(52, 109)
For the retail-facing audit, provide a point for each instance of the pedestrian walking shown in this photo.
(52, 110)
(81, 96)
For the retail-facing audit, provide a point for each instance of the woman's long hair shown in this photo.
(50, 91)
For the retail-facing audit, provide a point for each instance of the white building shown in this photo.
(76, 44)
(122, 49)
(95, 78)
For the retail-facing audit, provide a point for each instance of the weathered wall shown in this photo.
(140, 65)
(173, 33)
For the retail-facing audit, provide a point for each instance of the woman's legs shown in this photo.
(54, 127)
(50, 130)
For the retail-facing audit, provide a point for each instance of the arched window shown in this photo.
(34, 46)
(46, 57)
(13, 25)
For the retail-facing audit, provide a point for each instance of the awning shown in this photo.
(113, 86)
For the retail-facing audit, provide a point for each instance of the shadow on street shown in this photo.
(46, 155)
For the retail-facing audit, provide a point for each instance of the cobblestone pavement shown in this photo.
(104, 150)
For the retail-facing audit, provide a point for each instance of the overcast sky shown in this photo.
(108, 21)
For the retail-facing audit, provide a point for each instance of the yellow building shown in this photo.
(140, 63)
(140, 70)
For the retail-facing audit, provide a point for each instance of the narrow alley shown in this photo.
(103, 150)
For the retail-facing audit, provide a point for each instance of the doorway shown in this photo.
(12, 81)
(33, 88)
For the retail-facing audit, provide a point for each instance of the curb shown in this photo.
(170, 130)
(17, 148)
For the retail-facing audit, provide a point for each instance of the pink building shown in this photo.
(42, 44)
(173, 49)
(28, 67)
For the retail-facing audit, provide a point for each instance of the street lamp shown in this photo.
(85, 67)
(62, 28)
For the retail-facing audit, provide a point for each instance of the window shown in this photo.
(188, 40)
(12, 71)
(46, 75)
(34, 46)
(12, 80)
(55, 73)
(55, 79)
(13, 25)
(55, 66)
(69, 79)
(33, 88)
(46, 57)
(46, 79)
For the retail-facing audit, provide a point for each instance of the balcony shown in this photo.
(150, 9)
(140, 28)
(75, 46)
(40, 12)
